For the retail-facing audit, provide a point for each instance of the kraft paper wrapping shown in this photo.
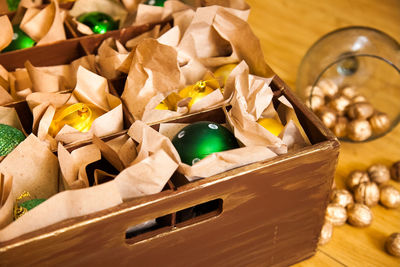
(90, 88)
(31, 79)
(9, 116)
(155, 14)
(44, 26)
(33, 168)
(110, 7)
(146, 175)
(252, 100)
(112, 57)
(6, 33)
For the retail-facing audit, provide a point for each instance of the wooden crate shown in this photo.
(267, 213)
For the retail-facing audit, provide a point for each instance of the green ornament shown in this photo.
(155, 2)
(20, 40)
(13, 4)
(99, 22)
(10, 137)
(198, 140)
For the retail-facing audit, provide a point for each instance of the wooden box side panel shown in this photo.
(271, 216)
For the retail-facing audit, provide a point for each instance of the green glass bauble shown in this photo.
(99, 22)
(155, 2)
(10, 137)
(198, 140)
(13, 4)
(20, 40)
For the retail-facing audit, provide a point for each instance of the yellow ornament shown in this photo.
(223, 72)
(196, 92)
(272, 125)
(79, 116)
(170, 102)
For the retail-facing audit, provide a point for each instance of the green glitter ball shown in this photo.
(30, 204)
(155, 2)
(198, 140)
(10, 137)
(99, 22)
(20, 40)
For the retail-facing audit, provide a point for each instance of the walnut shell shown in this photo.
(379, 173)
(340, 128)
(342, 197)
(329, 87)
(327, 116)
(349, 92)
(389, 196)
(340, 104)
(380, 122)
(326, 233)
(392, 244)
(367, 193)
(316, 102)
(336, 214)
(361, 110)
(355, 178)
(395, 171)
(359, 130)
(358, 99)
(313, 91)
(359, 215)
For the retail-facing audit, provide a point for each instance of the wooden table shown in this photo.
(287, 28)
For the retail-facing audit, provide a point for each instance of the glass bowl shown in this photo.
(368, 61)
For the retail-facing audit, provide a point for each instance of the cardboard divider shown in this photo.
(24, 114)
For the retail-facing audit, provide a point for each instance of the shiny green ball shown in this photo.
(30, 204)
(198, 140)
(20, 40)
(98, 22)
(155, 2)
(10, 137)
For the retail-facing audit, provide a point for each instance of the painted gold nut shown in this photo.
(389, 196)
(355, 178)
(379, 173)
(359, 215)
(367, 193)
(336, 214)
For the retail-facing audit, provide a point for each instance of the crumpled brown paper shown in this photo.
(44, 25)
(9, 116)
(47, 79)
(147, 174)
(252, 100)
(90, 88)
(33, 168)
(154, 14)
(6, 33)
(112, 57)
(110, 7)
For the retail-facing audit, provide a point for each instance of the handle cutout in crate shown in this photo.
(182, 218)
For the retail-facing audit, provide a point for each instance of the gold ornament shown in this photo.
(359, 130)
(336, 214)
(342, 197)
(389, 196)
(340, 104)
(79, 116)
(18, 210)
(349, 92)
(379, 173)
(326, 233)
(380, 122)
(392, 244)
(316, 102)
(327, 116)
(271, 125)
(170, 102)
(329, 87)
(196, 92)
(395, 171)
(362, 110)
(355, 178)
(367, 193)
(359, 215)
(340, 128)
(222, 73)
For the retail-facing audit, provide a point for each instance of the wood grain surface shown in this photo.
(287, 28)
